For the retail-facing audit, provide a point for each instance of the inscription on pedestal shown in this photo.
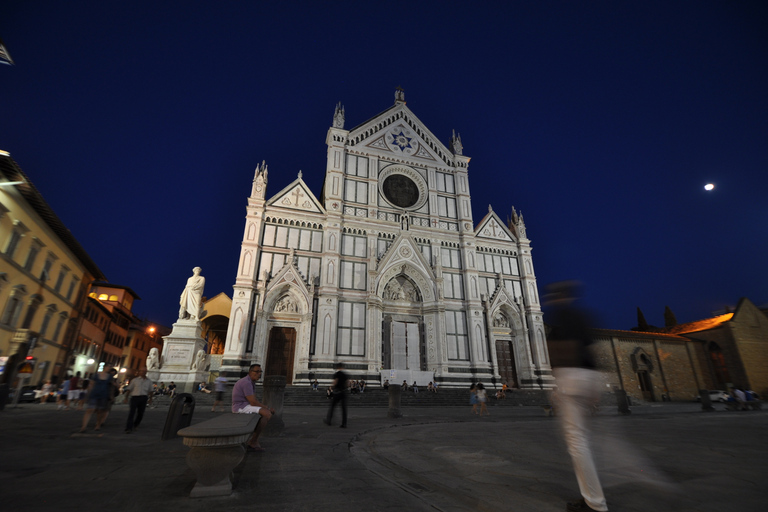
(178, 354)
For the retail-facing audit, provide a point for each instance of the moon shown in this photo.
(709, 186)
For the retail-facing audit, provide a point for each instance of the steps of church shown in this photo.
(303, 396)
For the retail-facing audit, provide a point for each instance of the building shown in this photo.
(44, 276)
(677, 361)
(387, 270)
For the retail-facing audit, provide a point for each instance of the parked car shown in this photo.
(716, 395)
(27, 394)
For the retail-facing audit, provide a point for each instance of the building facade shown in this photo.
(387, 270)
(44, 274)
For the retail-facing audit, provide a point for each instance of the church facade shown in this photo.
(386, 271)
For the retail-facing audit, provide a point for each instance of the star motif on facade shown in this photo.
(401, 140)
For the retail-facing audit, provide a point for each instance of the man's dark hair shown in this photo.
(250, 368)
(339, 365)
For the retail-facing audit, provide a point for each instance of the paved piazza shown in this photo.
(665, 457)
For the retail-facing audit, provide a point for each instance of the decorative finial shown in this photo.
(399, 95)
(456, 146)
(490, 209)
(338, 116)
(300, 174)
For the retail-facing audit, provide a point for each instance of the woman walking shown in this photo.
(482, 398)
(473, 398)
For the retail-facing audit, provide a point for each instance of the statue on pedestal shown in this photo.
(192, 296)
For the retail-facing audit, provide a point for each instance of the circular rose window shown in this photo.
(403, 187)
(400, 191)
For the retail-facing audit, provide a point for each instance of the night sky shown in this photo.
(142, 122)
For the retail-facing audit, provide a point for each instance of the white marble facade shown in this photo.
(386, 270)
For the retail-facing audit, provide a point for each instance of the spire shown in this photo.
(399, 95)
(259, 180)
(338, 116)
(300, 174)
(456, 146)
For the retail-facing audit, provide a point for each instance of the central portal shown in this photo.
(282, 346)
(405, 346)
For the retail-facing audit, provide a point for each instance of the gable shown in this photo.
(297, 196)
(399, 133)
(492, 228)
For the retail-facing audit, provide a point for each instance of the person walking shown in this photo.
(139, 390)
(473, 398)
(98, 398)
(578, 388)
(339, 388)
(220, 387)
(244, 402)
(482, 398)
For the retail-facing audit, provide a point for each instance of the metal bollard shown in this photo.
(274, 392)
(622, 401)
(179, 415)
(394, 402)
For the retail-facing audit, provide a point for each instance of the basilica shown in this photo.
(386, 270)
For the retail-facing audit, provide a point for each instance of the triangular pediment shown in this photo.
(397, 132)
(404, 250)
(297, 196)
(493, 228)
(288, 278)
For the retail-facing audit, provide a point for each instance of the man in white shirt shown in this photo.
(139, 388)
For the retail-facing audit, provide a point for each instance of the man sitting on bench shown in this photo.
(244, 401)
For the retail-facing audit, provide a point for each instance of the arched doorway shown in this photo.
(402, 340)
(280, 353)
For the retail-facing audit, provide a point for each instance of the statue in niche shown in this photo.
(192, 297)
(153, 359)
(199, 362)
(500, 321)
(404, 222)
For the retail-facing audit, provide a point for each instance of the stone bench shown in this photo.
(216, 449)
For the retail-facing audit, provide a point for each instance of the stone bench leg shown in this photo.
(213, 466)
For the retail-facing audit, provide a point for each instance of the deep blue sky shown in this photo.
(141, 123)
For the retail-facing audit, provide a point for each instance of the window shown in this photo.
(49, 311)
(60, 280)
(497, 263)
(290, 237)
(103, 296)
(382, 246)
(273, 262)
(71, 289)
(355, 191)
(450, 258)
(13, 308)
(456, 337)
(46, 273)
(357, 166)
(452, 287)
(351, 329)
(34, 250)
(13, 243)
(445, 183)
(446, 207)
(34, 303)
(353, 245)
(352, 275)
(426, 251)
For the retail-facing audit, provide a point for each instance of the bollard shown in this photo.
(179, 415)
(706, 403)
(622, 401)
(394, 402)
(274, 391)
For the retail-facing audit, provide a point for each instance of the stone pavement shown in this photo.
(665, 457)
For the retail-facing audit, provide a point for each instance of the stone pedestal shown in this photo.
(179, 351)
(274, 391)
